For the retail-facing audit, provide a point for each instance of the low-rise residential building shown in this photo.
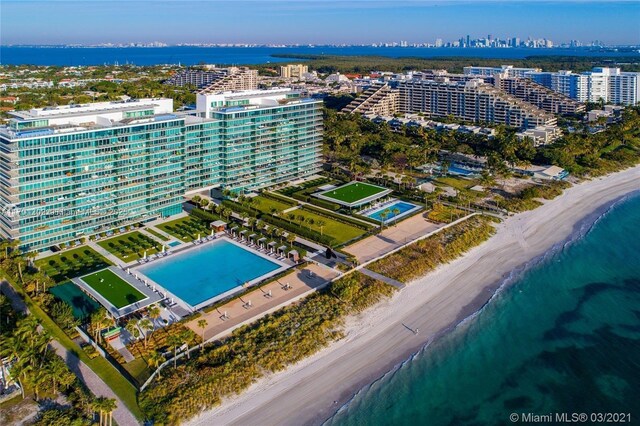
(541, 135)
(378, 99)
(296, 71)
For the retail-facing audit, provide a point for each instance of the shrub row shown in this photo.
(278, 197)
(281, 223)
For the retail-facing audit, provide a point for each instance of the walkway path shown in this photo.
(383, 278)
(122, 415)
(112, 258)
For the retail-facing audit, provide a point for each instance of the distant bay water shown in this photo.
(564, 338)
(185, 55)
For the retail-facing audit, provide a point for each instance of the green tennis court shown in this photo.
(81, 304)
(354, 193)
(113, 288)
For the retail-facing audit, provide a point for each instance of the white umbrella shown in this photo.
(198, 236)
(212, 232)
(145, 255)
(129, 271)
(163, 248)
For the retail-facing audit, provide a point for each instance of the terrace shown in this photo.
(354, 194)
(121, 293)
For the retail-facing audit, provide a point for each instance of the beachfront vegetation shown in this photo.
(418, 259)
(268, 345)
(444, 214)
(529, 198)
(131, 246)
(72, 263)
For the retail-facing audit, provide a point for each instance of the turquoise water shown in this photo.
(209, 270)
(564, 338)
(174, 243)
(402, 206)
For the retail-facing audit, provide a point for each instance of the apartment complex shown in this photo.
(73, 171)
(538, 95)
(293, 71)
(378, 99)
(194, 77)
(232, 79)
(507, 70)
(600, 84)
(473, 101)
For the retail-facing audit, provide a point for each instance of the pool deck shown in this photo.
(391, 238)
(186, 247)
(151, 296)
(302, 281)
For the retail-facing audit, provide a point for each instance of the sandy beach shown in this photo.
(379, 339)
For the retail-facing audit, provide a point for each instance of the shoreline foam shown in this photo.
(377, 344)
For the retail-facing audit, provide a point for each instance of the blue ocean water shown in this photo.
(207, 271)
(187, 55)
(563, 338)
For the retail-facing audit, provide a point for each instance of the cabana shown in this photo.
(252, 237)
(272, 246)
(282, 249)
(262, 242)
(218, 225)
(243, 234)
(294, 255)
(234, 231)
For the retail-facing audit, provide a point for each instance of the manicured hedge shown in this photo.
(339, 218)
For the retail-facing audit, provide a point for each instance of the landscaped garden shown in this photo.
(72, 263)
(341, 232)
(268, 204)
(131, 246)
(186, 228)
(113, 288)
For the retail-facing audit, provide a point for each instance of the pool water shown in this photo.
(174, 243)
(402, 206)
(207, 271)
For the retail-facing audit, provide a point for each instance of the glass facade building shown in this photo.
(71, 172)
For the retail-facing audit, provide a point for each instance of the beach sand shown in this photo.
(379, 339)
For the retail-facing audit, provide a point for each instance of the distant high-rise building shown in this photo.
(510, 70)
(293, 71)
(438, 42)
(233, 78)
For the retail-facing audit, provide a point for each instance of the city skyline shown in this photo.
(310, 22)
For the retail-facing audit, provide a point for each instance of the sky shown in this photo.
(315, 22)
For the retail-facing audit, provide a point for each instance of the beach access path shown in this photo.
(378, 340)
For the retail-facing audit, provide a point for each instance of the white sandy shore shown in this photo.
(312, 390)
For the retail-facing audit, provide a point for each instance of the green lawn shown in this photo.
(185, 228)
(113, 288)
(131, 246)
(340, 231)
(71, 263)
(157, 234)
(353, 192)
(265, 204)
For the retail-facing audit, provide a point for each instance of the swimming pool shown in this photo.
(403, 207)
(210, 271)
(174, 243)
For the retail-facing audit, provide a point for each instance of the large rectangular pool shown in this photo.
(205, 272)
(403, 208)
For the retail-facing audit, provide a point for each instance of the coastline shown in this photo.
(377, 341)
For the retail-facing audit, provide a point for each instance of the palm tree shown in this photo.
(186, 337)
(98, 321)
(109, 406)
(146, 326)
(174, 341)
(154, 312)
(396, 212)
(203, 325)
(321, 224)
(132, 328)
(155, 360)
(291, 237)
(383, 217)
